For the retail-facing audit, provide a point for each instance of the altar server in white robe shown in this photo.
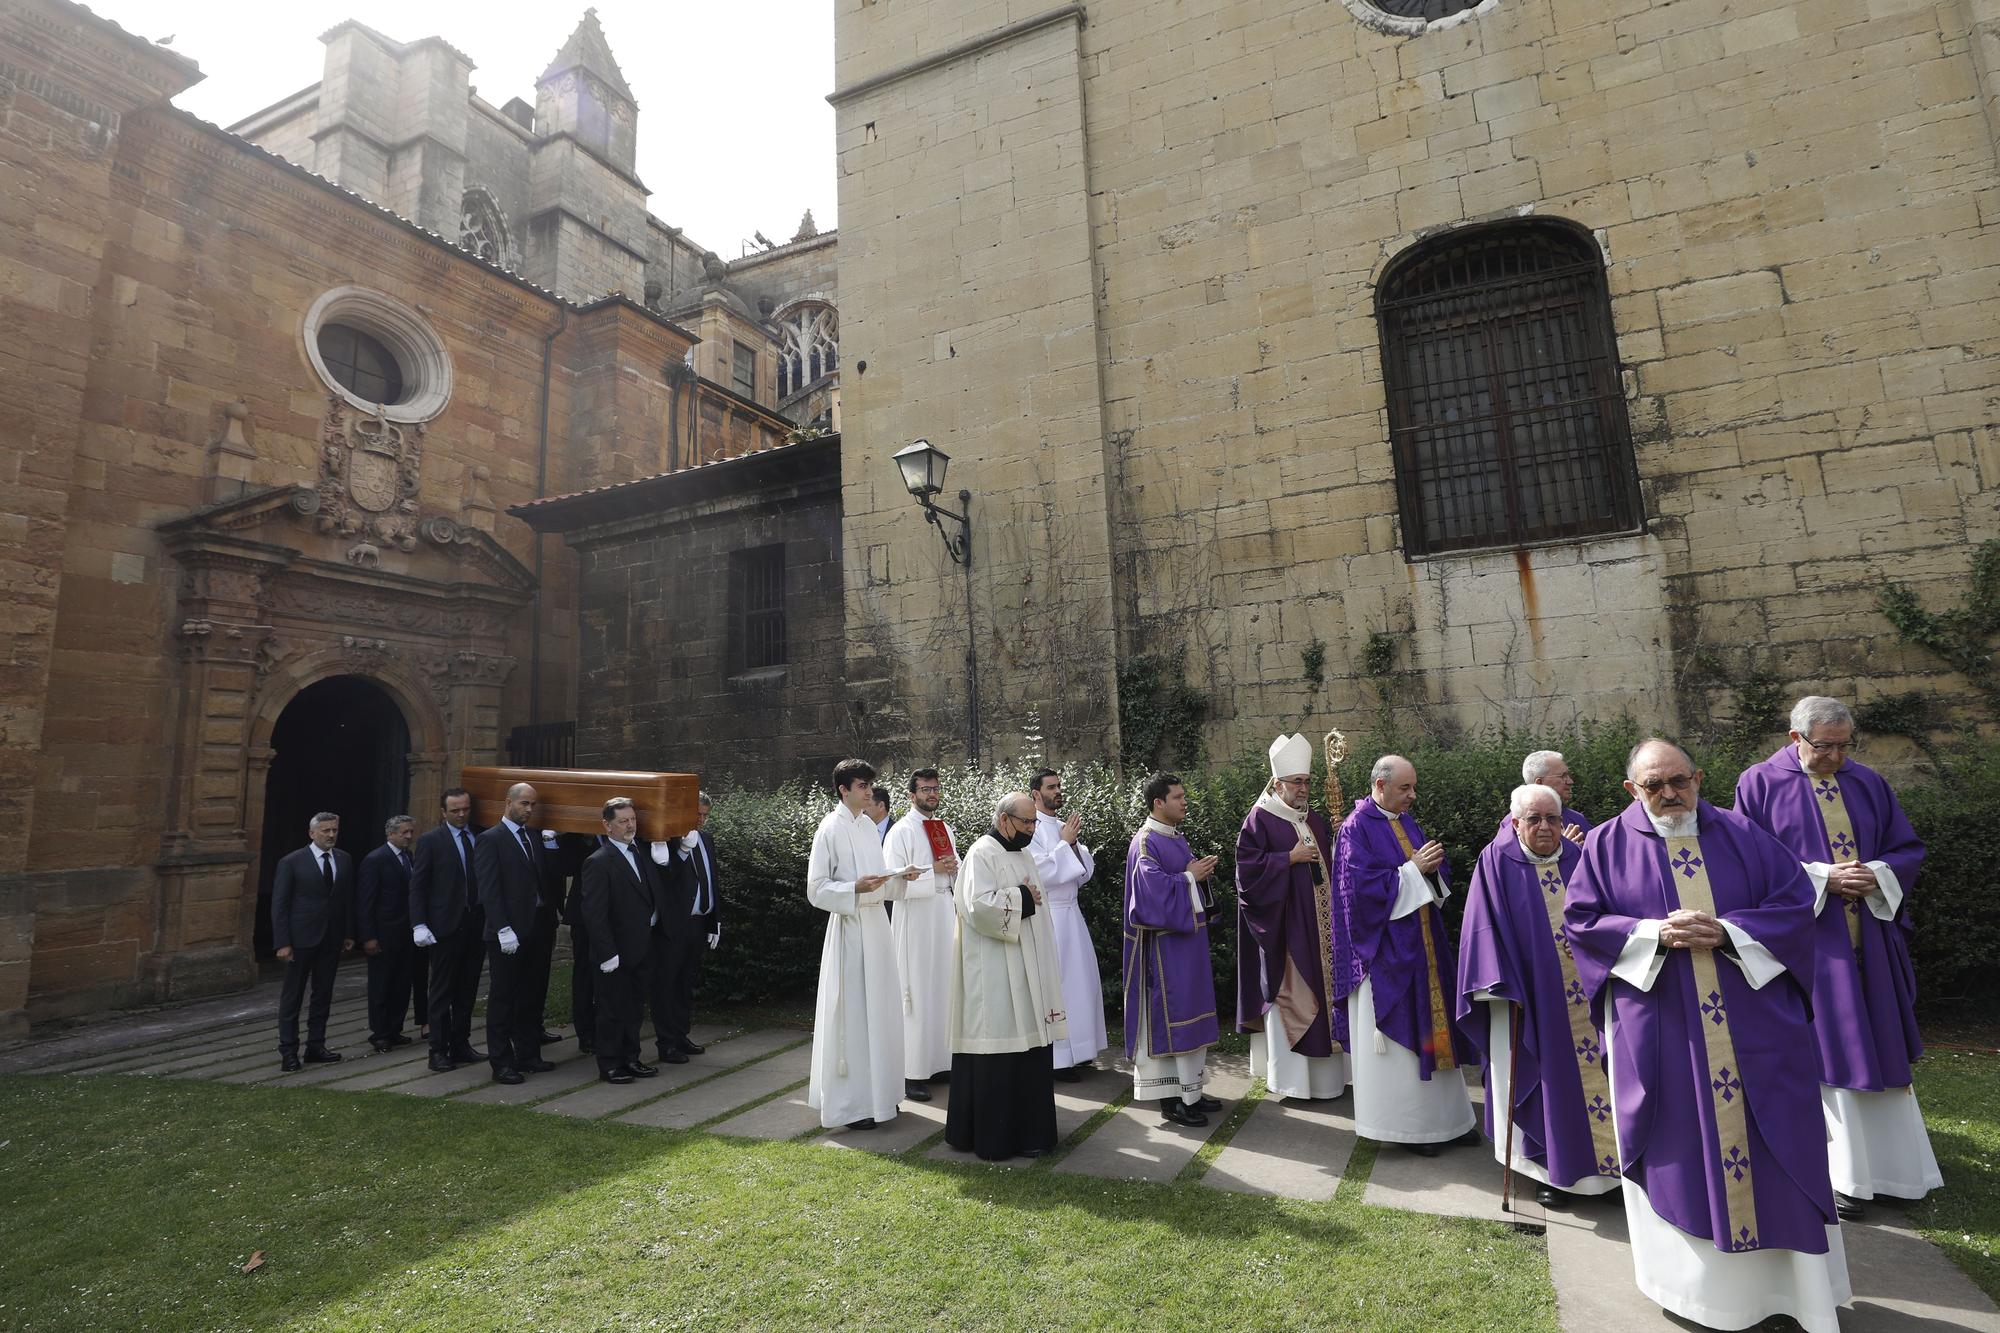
(1006, 999)
(857, 1056)
(922, 929)
(1065, 865)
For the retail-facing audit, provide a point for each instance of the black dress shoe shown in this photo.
(672, 1058)
(1070, 1074)
(320, 1055)
(400, 1040)
(690, 1047)
(535, 1066)
(618, 1075)
(640, 1069)
(1178, 1112)
(1420, 1149)
(1469, 1139)
(290, 1064)
(550, 1038)
(914, 1090)
(1208, 1104)
(1033, 1152)
(867, 1122)
(442, 1064)
(382, 1045)
(467, 1055)
(508, 1074)
(1847, 1207)
(1548, 1196)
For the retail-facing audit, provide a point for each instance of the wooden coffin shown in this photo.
(571, 800)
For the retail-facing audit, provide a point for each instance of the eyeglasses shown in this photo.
(1679, 782)
(1540, 819)
(1845, 747)
(930, 789)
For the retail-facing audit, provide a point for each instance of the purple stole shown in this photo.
(1864, 987)
(1717, 1104)
(1284, 939)
(1167, 965)
(1513, 947)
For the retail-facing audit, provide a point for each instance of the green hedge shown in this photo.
(772, 937)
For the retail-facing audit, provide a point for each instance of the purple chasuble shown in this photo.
(1284, 943)
(1367, 944)
(1167, 967)
(1864, 1000)
(1576, 817)
(1678, 1093)
(1508, 948)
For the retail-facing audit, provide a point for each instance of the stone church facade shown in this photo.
(269, 396)
(1531, 359)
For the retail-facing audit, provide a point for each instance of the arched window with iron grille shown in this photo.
(1506, 413)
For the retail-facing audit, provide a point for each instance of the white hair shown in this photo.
(323, 817)
(1632, 757)
(1528, 793)
(1385, 768)
(1005, 805)
(1817, 710)
(1536, 766)
(395, 822)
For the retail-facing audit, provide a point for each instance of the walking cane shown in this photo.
(1507, 1166)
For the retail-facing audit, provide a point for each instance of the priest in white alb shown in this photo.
(857, 1051)
(1006, 998)
(922, 929)
(1066, 865)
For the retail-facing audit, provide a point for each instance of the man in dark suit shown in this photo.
(446, 922)
(703, 931)
(617, 899)
(572, 850)
(507, 862)
(311, 925)
(382, 924)
(556, 871)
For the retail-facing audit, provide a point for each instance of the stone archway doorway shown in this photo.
(341, 744)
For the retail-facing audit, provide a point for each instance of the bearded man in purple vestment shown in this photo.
(1394, 965)
(1169, 982)
(1844, 825)
(1548, 1098)
(1547, 768)
(1284, 943)
(1692, 933)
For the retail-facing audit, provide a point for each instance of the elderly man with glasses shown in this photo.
(1692, 931)
(1842, 822)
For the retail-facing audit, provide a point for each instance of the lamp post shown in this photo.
(922, 465)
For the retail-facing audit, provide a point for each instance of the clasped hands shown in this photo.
(1851, 879)
(1428, 857)
(1691, 929)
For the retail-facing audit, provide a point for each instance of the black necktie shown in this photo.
(404, 857)
(701, 897)
(326, 870)
(527, 845)
(471, 889)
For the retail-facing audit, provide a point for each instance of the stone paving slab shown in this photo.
(1076, 1103)
(596, 1099)
(784, 1117)
(388, 1075)
(212, 1044)
(718, 1096)
(254, 1042)
(1902, 1281)
(572, 1070)
(461, 1079)
(1459, 1182)
(914, 1122)
(1136, 1144)
(1292, 1150)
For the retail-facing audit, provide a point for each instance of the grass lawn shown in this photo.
(127, 1204)
(1960, 1092)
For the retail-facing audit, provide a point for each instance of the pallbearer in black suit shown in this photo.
(674, 943)
(447, 923)
(311, 923)
(382, 924)
(572, 850)
(507, 862)
(618, 902)
(548, 919)
(704, 932)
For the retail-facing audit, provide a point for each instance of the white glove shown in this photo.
(662, 854)
(548, 837)
(421, 936)
(609, 965)
(715, 937)
(509, 941)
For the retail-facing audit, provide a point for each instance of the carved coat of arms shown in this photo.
(369, 473)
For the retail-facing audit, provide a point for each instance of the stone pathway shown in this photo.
(750, 1083)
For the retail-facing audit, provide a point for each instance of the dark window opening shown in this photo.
(745, 370)
(1506, 411)
(361, 364)
(757, 607)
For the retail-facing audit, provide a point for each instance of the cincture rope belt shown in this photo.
(1442, 1055)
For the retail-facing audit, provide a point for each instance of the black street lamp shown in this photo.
(923, 465)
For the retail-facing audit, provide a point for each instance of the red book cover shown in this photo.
(940, 837)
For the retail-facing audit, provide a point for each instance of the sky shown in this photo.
(735, 134)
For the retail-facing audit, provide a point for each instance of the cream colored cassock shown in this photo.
(922, 931)
(1006, 993)
(1064, 871)
(857, 1052)
(1686, 1275)
(1876, 1142)
(1393, 1101)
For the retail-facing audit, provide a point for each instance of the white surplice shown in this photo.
(1393, 1101)
(1006, 995)
(922, 931)
(857, 1051)
(1064, 869)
